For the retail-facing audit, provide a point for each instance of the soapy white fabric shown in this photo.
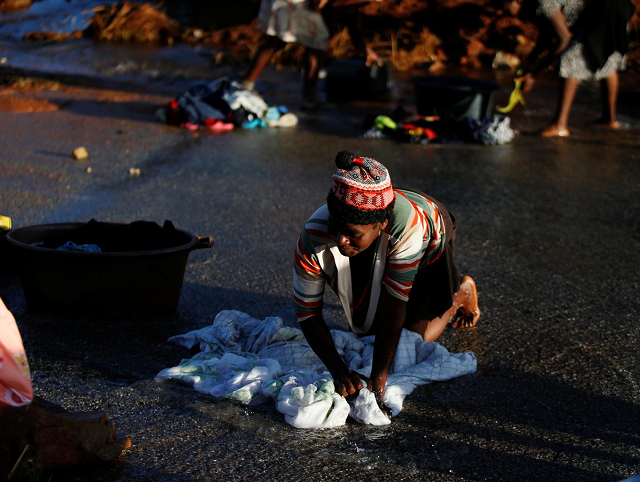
(243, 358)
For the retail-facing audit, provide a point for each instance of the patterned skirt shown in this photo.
(575, 61)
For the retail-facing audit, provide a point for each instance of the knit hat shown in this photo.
(362, 182)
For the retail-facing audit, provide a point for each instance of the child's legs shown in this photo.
(263, 56)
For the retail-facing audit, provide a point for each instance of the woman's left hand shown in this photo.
(383, 406)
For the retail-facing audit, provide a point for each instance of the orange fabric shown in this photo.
(15, 377)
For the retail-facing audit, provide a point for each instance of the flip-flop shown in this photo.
(220, 126)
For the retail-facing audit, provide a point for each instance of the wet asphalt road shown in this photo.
(548, 228)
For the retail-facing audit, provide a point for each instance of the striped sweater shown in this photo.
(413, 238)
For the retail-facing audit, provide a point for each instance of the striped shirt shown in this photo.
(413, 238)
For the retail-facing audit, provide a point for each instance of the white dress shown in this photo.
(293, 21)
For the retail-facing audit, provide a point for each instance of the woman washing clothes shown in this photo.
(590, 44)
(388, 254)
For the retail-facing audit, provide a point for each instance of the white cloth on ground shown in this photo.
(243, 358)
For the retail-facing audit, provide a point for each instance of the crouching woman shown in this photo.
(388, 254)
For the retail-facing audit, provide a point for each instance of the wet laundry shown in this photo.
(87, 248)
(245, 359)
(113, 237)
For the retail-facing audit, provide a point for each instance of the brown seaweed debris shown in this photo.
(126, 22)
(9, 6)
(51, 36)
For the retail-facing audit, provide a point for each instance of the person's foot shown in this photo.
(555, 131)
(608, 124)
(468, 313)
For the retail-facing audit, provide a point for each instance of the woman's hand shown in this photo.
(383, 406)
(349, 383)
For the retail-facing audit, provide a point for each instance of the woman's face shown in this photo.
(352, 239)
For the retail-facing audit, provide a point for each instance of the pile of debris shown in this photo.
(410, 33)
(126, 22)
(8, 6)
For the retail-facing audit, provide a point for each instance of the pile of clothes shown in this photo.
(419, 129)
(222, 105)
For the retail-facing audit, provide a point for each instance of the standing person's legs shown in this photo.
(314, 60)
(565, 100)
(609, 89)
(261, 59)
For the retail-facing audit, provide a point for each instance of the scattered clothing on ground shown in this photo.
(246, 359)
(418, 129)
(221, 105)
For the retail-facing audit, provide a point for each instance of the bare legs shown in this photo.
(565, 100)
(609, 90)
(313, 62)
(261, 59)
(464, 308)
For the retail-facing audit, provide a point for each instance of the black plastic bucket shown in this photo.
(126, 282)
(454, 98)
(351, 79)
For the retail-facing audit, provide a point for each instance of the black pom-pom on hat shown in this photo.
(344, 159)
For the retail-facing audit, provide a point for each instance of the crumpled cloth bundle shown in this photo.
(218, 98)
(243, 358)
(491, 131)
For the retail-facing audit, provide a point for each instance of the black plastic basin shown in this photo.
(135, 282)
(454, 98)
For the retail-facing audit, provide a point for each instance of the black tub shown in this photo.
(125, 282)
(454, 98)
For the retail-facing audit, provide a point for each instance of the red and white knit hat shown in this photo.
(362, 182)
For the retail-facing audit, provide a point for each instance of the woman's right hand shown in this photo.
(349, 383)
